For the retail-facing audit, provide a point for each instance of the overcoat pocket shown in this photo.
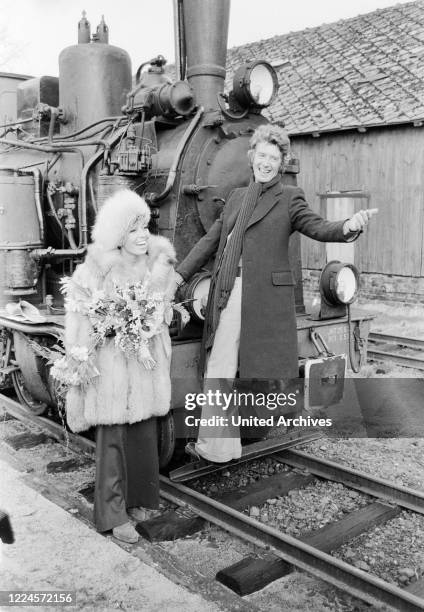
(282, 278)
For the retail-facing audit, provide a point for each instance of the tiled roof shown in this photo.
(365, 71)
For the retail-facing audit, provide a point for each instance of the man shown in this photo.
(250, 323)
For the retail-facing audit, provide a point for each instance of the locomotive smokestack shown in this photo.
(205, 34)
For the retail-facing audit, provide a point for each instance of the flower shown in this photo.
(132, 315)
(70, 370)
(80, 353)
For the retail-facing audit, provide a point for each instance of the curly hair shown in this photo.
(272, 134)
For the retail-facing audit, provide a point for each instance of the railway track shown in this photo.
(407, 352)
(310, 552)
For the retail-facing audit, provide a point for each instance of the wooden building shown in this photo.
(352, 98)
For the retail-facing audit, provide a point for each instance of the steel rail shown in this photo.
(360, 481)
(407, 361)
(388, 338)
(330, 569)
(73, 441)
(197, 469)
(403, 360)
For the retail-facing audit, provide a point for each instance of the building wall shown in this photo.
(8, 85)
(389, 164)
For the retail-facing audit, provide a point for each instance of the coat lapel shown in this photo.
(266, 202)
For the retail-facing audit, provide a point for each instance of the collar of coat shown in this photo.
(268, 198)
(272, 183)
(101, 261)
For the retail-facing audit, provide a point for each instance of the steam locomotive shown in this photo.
(182, 144)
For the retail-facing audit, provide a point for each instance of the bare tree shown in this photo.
(9, 49)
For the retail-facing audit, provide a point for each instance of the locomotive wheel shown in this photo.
(166, 439)
(25, 397)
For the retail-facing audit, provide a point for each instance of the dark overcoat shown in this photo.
(268, 343)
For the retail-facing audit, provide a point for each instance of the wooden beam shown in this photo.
(334, 535)
(68, 465)
(260, 491)
(28, 440)
(252, 574)
(169, 526)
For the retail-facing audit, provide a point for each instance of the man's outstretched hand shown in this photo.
(359, 220)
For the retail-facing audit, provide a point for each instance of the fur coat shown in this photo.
(125, 391)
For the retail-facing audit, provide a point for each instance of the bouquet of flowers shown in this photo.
(133, 314)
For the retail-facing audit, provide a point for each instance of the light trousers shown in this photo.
(224, 443)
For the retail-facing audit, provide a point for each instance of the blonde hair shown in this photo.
(117, 216)
(271, 134)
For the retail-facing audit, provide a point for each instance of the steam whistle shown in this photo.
(102, 32)
(84, 29)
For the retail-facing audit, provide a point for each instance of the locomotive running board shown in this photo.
(249, 452)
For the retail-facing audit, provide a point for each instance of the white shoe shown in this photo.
(126, 533)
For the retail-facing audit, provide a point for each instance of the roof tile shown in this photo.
(353, 73)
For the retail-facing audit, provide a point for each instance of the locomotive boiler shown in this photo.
(181, 143)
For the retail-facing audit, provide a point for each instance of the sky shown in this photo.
(33, 32)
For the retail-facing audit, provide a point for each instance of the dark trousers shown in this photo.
(127, 471)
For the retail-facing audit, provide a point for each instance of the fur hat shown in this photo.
(115, 218)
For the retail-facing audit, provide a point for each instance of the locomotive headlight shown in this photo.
(255, 84)
(338, 286)
(196, 294)
(339, 283)
(346, 285)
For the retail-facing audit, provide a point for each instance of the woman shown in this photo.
(123, 392)
(250, 324)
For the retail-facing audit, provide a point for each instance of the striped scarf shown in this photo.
(231, 256)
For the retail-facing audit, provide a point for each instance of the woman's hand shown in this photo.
(145, 358)
(149, 363)
(179, 281)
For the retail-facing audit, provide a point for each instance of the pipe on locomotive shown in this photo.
(156, 198)
(82, 130)
(21, 144)
(8, 127)
(82, 200)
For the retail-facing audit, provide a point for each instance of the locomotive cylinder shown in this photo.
(20, 226)
(206, 34)
(20, 232)
(94, 79)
